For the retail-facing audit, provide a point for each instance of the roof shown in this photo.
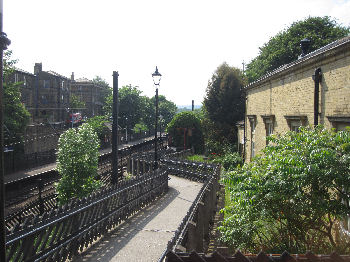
(57, 74)
(83, 79)
(338, 44)
(22, 71)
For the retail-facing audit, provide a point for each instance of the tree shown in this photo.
(106, 90)
(75, 102)
(77, 163)
(223, 105)
(134, 108)
(284, 47)
(185, 129)
(293, 196)
(16, 116)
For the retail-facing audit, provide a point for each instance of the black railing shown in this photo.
(36, 194)
(192, 235)
(60, 234)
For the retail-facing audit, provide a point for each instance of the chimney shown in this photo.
(72, 76)
(304, 45)
(38, 67)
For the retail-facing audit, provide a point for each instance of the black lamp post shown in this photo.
(115, 129)
(4, 42)
(156, 80)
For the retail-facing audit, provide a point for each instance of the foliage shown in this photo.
(135, 109)
(97, 124)
(16, 116)
(106, 90)
(176, 129)
(197, 158)
(231, 160)
(223, 106)
(291, 197)
(140, 128)
(75, 102)
(284, 47)
(77, 162)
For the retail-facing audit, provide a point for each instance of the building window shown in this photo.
(16, 78)
(24, 81)
(252, 121)
(339, 122)
(269, 124)
(295, 122)
(46, 83)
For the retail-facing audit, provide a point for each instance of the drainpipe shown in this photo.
(317, 77)
(245, 124)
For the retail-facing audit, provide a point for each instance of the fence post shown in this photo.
(41, 202)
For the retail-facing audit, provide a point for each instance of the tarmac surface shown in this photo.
(144, 236)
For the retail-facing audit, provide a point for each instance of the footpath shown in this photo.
(33, 171)
(144, 236)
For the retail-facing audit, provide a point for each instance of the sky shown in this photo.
(186, 39)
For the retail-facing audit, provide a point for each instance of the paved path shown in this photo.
(144, 236)
(40, 169)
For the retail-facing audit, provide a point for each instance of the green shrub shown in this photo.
(77, 163)
(292, 196)
(194, 137)
(231, 160)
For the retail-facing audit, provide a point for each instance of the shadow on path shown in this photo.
(114, 241)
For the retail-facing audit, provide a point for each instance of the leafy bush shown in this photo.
(194, 137)
(231, 160)
(77, 162)
(293, 196)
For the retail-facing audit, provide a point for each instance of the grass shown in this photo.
(197, 158)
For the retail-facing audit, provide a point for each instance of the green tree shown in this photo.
(284, 47)
(185, 128)
(293, 196)
(223, 106)
(97, 124)
(16, 116)
(106, 90)
(77, 163)
(75, 102)
(134, 108)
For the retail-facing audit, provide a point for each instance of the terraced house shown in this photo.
(315, 89)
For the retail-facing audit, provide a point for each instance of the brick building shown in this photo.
(88, 92)
(315, 89)
(27, 84)
(46, 94)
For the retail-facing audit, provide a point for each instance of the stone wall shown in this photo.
(286, 99)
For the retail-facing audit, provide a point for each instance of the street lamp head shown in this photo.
(156, 77)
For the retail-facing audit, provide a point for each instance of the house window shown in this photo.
(269, 124)
(24, 81)
(339, 122)
(16, 78)
(295, 122)
(46, 83)
(252, 120)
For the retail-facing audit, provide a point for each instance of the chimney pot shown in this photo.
(72, 76)
(38, 67)
(304, 45)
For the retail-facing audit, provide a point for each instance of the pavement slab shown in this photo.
(144, 236)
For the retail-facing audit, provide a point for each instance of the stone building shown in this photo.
(88, 92)
(52, 95)
(315, 89)
(27, 82)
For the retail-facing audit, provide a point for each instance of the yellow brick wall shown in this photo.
(292, 93)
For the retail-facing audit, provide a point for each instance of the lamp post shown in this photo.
(126, 130)
(115, 129)
(156, 80)
(4, 42)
